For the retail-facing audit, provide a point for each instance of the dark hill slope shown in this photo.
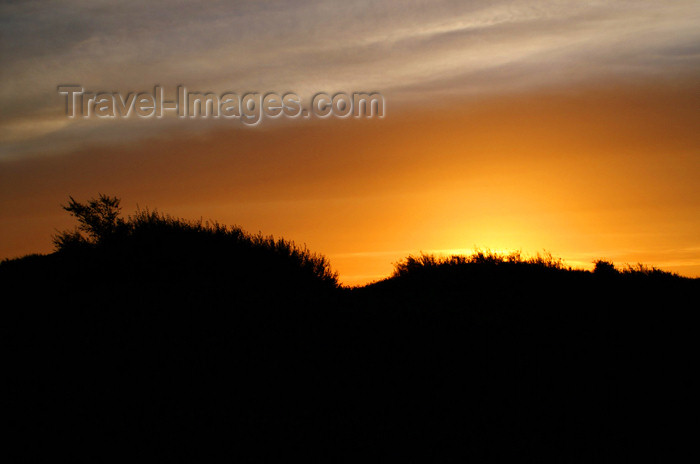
(177, 340)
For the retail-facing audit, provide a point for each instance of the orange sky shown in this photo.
(561, 125)
(582, 171)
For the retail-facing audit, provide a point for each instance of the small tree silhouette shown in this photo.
(98, 218)
(604, 268)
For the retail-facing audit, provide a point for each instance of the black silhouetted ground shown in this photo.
(154, 338)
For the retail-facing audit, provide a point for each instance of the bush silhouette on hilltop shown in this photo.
(149, 238)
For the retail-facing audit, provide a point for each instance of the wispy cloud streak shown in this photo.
(402, 49)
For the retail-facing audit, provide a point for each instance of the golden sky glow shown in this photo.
(508, 127)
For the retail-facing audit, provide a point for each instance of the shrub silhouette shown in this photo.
(222, 250)
(479, 259)
(604, 268)
(98, 218)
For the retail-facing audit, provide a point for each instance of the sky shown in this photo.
(565, 126)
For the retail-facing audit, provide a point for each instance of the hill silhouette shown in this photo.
(153, 337)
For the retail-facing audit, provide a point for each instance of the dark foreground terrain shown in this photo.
(155, 339)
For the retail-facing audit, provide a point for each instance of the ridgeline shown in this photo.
(152, 337)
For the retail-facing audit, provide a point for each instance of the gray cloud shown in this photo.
(401, 48)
